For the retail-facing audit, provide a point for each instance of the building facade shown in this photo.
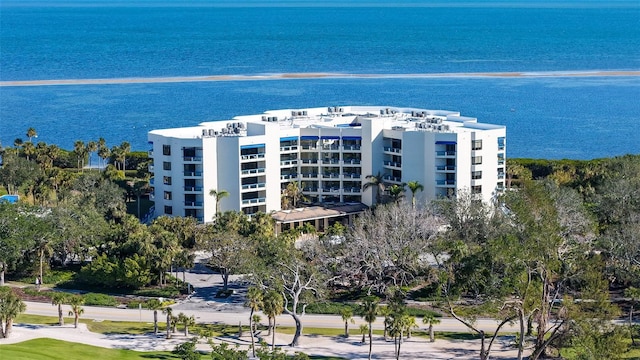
(328, 151)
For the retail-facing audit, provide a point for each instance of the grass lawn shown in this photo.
(50, 349)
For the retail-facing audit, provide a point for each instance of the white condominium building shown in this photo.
(329, 151)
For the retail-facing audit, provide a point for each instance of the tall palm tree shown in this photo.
(92, 147)
(292, 194)
(59, 298)
(431, 320)
(29, 149)
(186, 321)
(125, 149)
(169, 312)
(10, 307)
(76, 302)
(347, 316)
(155, 305)
(80, 151)
(369, 310)
(364, 329)
(377, 182)
(396, 192)
(414, 186)
(103, 151)
(254, 302)
(272, 306)
(31, 133)
(218, 195)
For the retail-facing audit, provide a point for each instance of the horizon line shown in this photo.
(316, 75)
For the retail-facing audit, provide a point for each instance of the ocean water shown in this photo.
(550, 116)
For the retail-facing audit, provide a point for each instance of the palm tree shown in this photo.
(80, 151)
(364, 329)
(10, 307)
(31, 133)
(76, 302)
(347, 316)
(414, 186)
(377, 182)
(92, 147)
(140, 188)
(396, 192)
(18, 142)
(272, 306)
(218, 195)
(155, 305)
(186, 321)
(292, 194)
(124, 150)
(169, 313)
(59, 298)
(369, 310)
(254, 302)
(431, 320)
(103, 151)
(29, 149)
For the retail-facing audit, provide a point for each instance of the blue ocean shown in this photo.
(561, 75)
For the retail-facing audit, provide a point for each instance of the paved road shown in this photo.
(206, 308)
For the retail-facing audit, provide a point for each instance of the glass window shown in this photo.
(476, 145)
(166, 165)
(476, 175)
(476, 189)
(167, 195)
(166, 149)
(476, 160)
(168, 210)
(166, 180)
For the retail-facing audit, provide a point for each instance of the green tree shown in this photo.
(92, 147)
(396, 192)
(59, 298)
(76, 302)
(414, 186)
(346, 313)
(272, 306)
(103, 151)
(31, 133)
(254, 302)
(377, 182)
(80, 151)
(10, 307)
(230, 251)
(169, 312)
(364, 329)
(218, 195)
(292, 195)
(430, 319)
(155, 305)
(187, 351)
(369, 311)
(186, 322)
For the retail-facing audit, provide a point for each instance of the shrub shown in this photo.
(99, 299)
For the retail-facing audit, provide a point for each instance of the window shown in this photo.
(168, 210)
(476, 160)
(476, 145)
(476, 175)
(476, 189)
(166, 149)
(167, 195)
(166, 180)
(500, 185)
(166, 165)
(500, 159)
(501, 143)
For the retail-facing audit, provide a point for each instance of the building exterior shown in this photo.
(329, 151)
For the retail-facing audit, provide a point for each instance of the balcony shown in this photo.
(352, 190)
(192, 158)
(332, 190)
(254, 201)
(352, 176)
(252, 157)
(289, 148)
(288, 176)
(151, 181)
(193, 203)
(309, 161)
(150, 168)
(392, 178)
(500, 175)
(445, 153)
(392, 150)
(309, 147)
(150, 153)
(309, 175)
(445, 168)
(351, 161)
(331, 161)
(193, 188)
(254, 186)
(310, 189)
(331, 175)
(351, 147)
(445, 182)
(192, 173)
(253, 171)
(289, 162)
(393, 164)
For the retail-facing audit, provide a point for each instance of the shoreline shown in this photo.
(317, 75)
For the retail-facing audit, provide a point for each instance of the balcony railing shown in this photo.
(192, 158)
(393, 150)
(352, 190)
(193, 173)
(392, 178)
(330, 161)
(289, 148)
(309, 147)
(254, 186)
(309, 161)
(193, 188)
(309, 175)
(193, 203)
(252, 156)
(288, 162)
(500, 175)
(445, 182)
(393, 164)
(351, 147)
(331, 190)
(446, 168)
(150, 153)
(352, 176)
(445, 153)
(331, 148)
(253, 201)
(352, 161)
(150, 168)
(253, 171)
(310, 189)
(288, 176)
(331, 175)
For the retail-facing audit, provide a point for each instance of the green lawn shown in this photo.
(50, 349)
